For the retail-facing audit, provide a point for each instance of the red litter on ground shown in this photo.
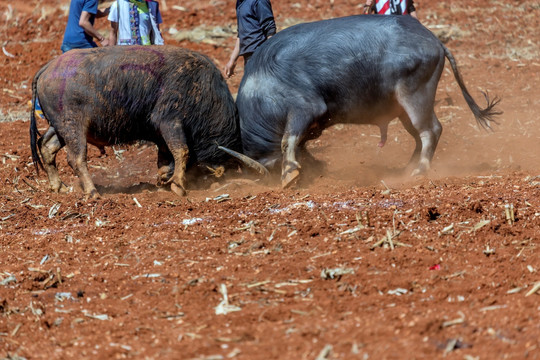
(435, 267)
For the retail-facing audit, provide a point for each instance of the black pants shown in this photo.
(246, 58)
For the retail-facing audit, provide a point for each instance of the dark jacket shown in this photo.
(255, 23)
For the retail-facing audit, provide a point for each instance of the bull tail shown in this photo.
(484, 117)
(34, 132)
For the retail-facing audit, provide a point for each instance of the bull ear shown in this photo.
(246, 160)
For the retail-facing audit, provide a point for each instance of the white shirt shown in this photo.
(128, 34)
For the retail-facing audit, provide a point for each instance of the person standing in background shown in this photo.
(135, 22)
(80, 31)
(391, 7)
(256, 24)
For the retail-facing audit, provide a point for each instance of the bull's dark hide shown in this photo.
(173, 97)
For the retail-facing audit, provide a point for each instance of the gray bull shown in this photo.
(366, 69)
(173, 97)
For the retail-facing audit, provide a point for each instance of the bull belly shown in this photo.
(380, 115)
(101, 139)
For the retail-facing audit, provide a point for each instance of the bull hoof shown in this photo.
(178, 190)
(93, 195)
(290, 178)
(59, 188)
(164, 174)
(418, 172)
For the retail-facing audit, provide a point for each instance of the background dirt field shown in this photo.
(358, 262)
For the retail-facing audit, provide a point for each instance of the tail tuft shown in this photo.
(484, 117)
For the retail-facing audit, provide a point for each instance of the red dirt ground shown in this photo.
(140, 272)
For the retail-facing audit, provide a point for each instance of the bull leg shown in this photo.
(76, 158)
(174, 137)
(418, 142)
(76, 147)
(430, 139)
(426, 133)
(290, 168)
(422, 123)
(165, 163)
(178, 179)
(299, 121)
(49, 145)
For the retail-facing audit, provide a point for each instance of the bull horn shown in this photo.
(246, 160)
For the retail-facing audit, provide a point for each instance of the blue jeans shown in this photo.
(67, 46)
(38, 110)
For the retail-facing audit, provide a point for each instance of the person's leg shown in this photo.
(38, 111)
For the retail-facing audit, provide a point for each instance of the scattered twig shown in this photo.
(534, 289)
(137, 202)
(58, 275)
(479, 225)
(389, 240)
(515, 290)
(335, 273)
(7, 53)
(389, 237)
(224, 307)
(447, 230)
(29, 185)
(16, 330)
(325, 353)
(353, 230)
(491, 308)
(363, 218)
(398, 291)
(321, 255)
(9, 279)
(450, 346)
(509, 213)
(54, 210)
(457, 321)
(220, 198)
(257, 284)
(459, 273)
(249, 226)
(489, 250)
(102, 317)
(387, 191)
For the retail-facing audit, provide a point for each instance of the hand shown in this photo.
(105, 42)
(229, 69)
(368, 7)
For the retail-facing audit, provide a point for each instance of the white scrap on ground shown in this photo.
(224, 307)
